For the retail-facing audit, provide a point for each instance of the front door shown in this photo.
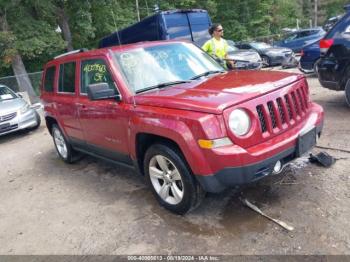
(104, 122)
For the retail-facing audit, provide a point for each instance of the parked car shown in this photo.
(297, 40)
(244, 59)
(310, 54)
(191, 25)
(170, 111)
(15, 112)
(270, 55)
(334, 66)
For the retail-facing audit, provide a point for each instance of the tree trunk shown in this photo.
(22, 78)
(64, 25)
(18, 67)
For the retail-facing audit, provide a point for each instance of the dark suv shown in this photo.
(334, 66)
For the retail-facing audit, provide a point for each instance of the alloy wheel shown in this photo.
(60, 143)
(166, 179)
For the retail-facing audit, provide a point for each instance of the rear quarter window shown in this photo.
(49, 79)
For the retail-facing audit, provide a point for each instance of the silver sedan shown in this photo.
(15, 112)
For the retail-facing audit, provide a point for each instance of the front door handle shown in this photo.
(80, 105)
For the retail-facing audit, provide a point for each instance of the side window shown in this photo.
(94, 71)
(304, 34)
(67, 78)
(49, 79)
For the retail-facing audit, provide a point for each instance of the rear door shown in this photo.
(66, 99)
(104, 122)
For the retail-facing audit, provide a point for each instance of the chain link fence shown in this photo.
(11, 81)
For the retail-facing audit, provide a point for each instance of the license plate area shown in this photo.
(4, 126)
(306, 142)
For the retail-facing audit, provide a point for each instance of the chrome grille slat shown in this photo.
(8, 117)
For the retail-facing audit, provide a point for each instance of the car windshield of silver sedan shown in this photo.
(164, 65)
(6, 94)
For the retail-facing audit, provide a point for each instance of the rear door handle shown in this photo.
(80, 105)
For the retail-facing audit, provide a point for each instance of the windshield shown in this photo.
(148, 67)
(260, 45)
(6, 93)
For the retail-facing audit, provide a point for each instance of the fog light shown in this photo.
(277, 168)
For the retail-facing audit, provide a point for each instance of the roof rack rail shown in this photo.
(72, 52)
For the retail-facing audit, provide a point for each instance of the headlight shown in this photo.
(24, 109)
(239, 122)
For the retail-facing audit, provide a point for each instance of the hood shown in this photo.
(10, 106)
(278, 49)
(245, 55)
(216, 93)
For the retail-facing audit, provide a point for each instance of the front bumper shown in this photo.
(234, 176)
(306, 67)
(21, 121)
(277, 59)
(251, 165)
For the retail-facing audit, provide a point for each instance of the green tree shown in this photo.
(24, 34)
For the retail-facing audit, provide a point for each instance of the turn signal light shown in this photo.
(208, 144)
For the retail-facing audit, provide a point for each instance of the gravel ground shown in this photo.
(93, 207)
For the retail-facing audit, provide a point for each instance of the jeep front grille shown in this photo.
(283, 111)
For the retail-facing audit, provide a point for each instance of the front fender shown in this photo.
(175, 130)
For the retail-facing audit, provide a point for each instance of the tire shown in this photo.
(63, 147)
(266, 61)
(178, 190)
(347, 92)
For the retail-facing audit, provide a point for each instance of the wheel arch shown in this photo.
(50, 121)
(146, 140)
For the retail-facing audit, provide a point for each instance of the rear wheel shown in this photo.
(347, 92)
(63, 148)
(170, 180)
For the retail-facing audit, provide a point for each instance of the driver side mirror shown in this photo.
(101, 91)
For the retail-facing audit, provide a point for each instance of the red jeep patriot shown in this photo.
(175, 115)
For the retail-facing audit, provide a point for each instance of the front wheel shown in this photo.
(170, 180)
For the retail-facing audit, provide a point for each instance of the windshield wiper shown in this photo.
(207, 73)
(163, 85)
